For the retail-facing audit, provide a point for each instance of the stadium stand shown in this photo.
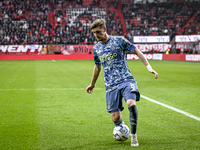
(68, 21)
(159, 18)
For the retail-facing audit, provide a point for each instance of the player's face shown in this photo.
(99, 33)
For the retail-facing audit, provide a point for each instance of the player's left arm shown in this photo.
(145, 62)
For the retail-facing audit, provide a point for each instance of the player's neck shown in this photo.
(106, 39)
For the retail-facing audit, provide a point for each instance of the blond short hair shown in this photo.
(98, 23)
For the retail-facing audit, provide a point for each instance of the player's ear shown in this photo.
(105, 29)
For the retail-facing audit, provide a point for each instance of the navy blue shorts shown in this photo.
(126, 90)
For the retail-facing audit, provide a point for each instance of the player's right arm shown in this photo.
(96, 72)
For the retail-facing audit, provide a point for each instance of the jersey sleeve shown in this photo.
(126, 45)
(96, 58)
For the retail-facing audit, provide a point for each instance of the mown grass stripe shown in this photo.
(147, 98)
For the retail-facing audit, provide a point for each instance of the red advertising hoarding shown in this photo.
(78, 52)
(69, 49)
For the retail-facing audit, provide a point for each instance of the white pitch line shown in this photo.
(172, 108)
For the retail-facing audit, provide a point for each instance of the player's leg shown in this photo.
(131, 94)
(133, 117)
(130, 97)
(114, 106)
(133, 114)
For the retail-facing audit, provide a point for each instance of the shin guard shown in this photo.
(133, 117)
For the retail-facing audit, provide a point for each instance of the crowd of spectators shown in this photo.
(73, 18)
(194, 26)
(24, 22)
(68, 21)
(158, 18)
(47, 21)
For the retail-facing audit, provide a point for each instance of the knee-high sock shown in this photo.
(133, 117)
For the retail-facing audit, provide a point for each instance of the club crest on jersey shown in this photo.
(99, 51)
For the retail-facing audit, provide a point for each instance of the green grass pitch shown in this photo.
(44, 106)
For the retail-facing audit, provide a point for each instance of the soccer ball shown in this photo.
(121, 132)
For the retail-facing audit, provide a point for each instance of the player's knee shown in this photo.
(116, 117)
(131, 102)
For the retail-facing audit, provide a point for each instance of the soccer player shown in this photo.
(110, 52)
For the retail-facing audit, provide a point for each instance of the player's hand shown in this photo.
(155, 73)
(89, 89)
(152, 71)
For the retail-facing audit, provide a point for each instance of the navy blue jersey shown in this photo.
(112, 56)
